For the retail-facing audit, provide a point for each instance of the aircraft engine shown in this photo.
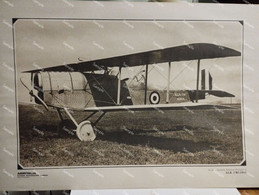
(61, 88)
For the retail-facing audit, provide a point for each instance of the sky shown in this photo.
(48, 42)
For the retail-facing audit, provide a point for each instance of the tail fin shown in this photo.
(210, 81)
(203, 91)
(203, 84)
(203, 80)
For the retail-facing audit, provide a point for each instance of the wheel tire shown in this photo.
(85, 131)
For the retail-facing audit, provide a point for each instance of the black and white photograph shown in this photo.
(93, 93)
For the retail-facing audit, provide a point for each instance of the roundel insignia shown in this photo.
(154, 97)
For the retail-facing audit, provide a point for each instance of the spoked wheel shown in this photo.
(66, 127)
(85, 131)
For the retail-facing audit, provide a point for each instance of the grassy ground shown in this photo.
(139, 138)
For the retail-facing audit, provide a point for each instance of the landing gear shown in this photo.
(85, 131)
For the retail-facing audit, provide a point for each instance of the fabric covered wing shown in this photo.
(179, 53)
(160, 107)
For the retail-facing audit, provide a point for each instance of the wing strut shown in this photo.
(145, 98)
(197, 84)
(119, 87)
(168, 82)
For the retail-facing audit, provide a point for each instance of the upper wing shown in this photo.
(178, 53)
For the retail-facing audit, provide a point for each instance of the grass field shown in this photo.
(139, 138)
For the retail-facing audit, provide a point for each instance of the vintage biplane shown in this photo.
(81, 86)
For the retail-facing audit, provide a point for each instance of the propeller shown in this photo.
(30, 89)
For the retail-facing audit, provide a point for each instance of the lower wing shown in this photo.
(180, 106)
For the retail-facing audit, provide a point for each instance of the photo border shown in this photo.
(242, 163)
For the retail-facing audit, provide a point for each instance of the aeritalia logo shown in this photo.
(28, 174)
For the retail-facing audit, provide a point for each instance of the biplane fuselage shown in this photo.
(81, 90)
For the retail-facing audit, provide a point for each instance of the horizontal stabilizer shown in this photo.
(219, 93)
(202, 94)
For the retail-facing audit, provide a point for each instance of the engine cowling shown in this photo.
(62, 88)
